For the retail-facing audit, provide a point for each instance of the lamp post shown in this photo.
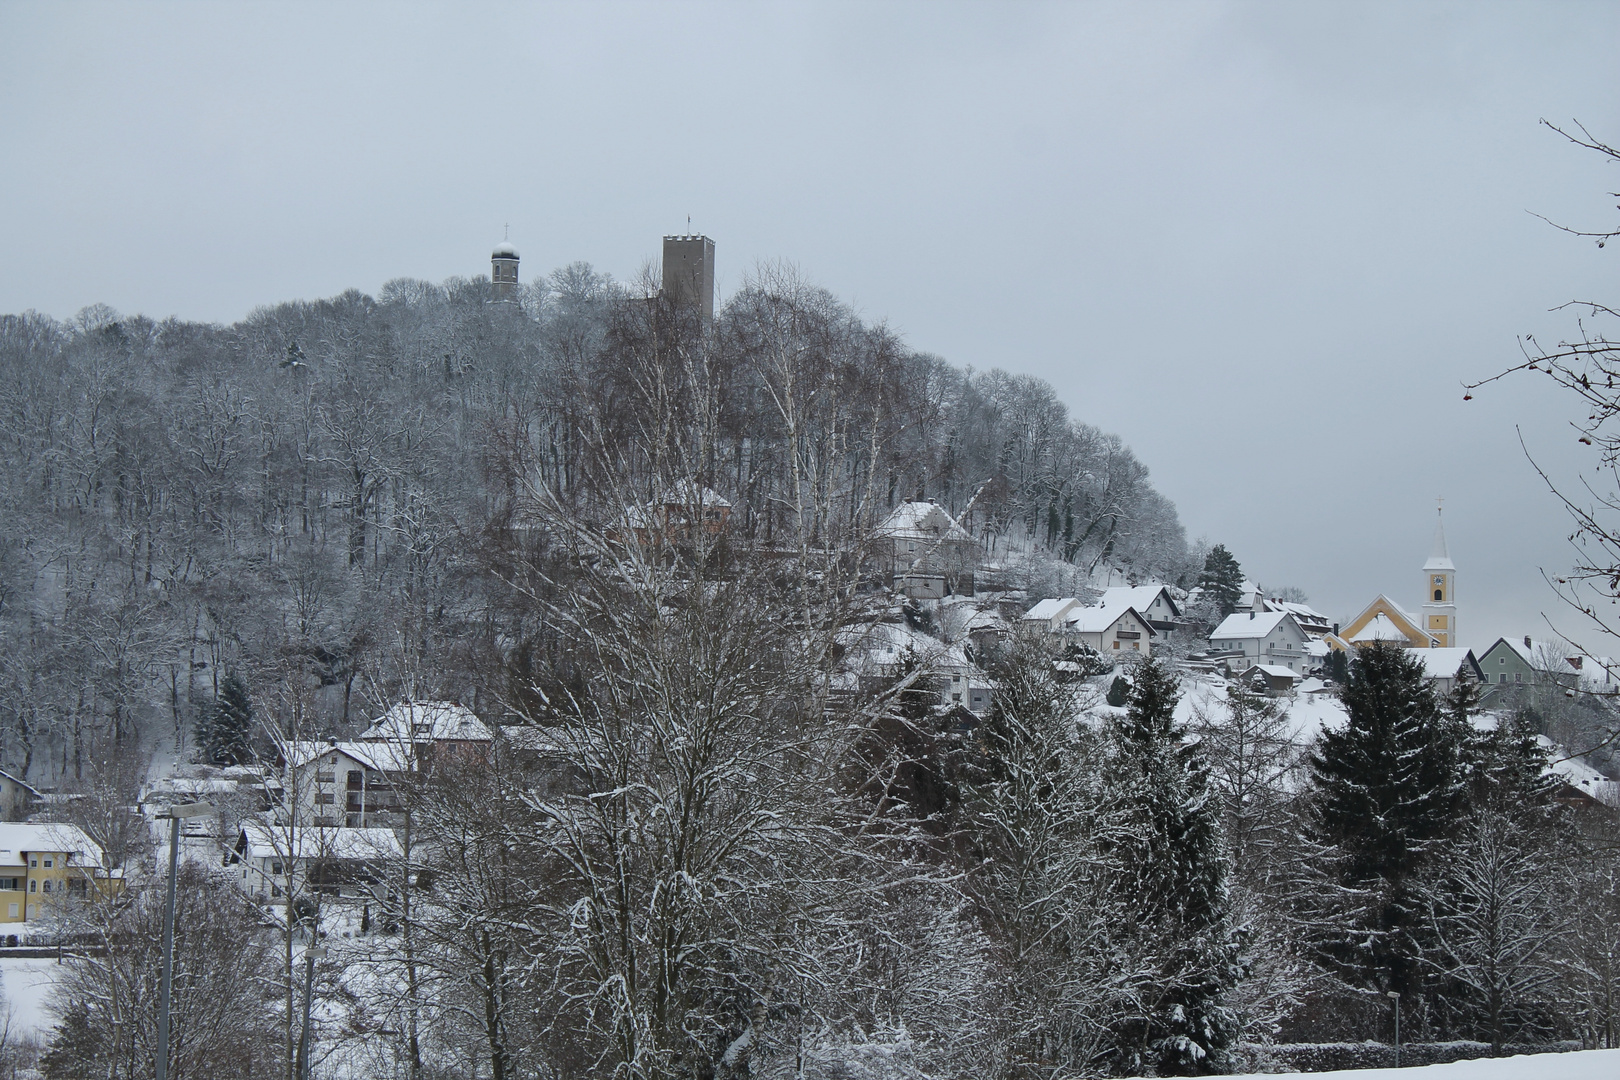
(311, 954)
(173, 815)
(1395, 999)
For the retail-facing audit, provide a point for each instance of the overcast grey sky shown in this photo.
(1264, 243)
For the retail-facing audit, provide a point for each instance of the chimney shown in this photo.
(1251, 614)
(1527, 642)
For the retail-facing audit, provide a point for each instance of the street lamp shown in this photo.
(311, 954)
(173, 815)
(1395, 999)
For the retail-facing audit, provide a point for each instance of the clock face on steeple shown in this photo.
(1438, 580)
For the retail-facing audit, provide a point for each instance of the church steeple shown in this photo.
(1439, 584)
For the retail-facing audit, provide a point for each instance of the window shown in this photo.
(12, 911)
(9, 884)
(325, 777)
(1501, 659)
(1136, 646)
(47, 863)
(324, 798)
(1116, 644)
(33, 885)
(1438, 595)
(33, 862)
(1518, 676)
(47, 885)
(275, 868)
(1502, 678)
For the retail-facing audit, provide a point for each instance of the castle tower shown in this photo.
(503, 267)
(689, 272)
(1439, 599)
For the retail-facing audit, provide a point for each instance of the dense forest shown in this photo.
(315, 498)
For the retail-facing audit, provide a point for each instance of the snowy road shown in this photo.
(1581, 1065)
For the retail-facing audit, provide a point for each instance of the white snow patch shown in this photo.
(1577, 1065)
(28, 983)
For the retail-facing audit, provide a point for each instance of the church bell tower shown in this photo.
(503, 273)
(1439, 584)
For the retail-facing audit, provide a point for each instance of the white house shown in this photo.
(268, 859)
(343, 784)
(1269, 637)
(1153, 602)
(925, 552)
(1443, 667)
(1111, 627)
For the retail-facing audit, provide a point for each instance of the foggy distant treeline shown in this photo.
(315, 497)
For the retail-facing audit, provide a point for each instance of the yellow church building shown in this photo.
(1435, 625)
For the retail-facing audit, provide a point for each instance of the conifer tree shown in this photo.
(1173, 869)
(1222, 579)
(225, 733)
(1390, 786)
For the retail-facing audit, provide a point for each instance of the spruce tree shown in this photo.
(225, 733)
(1173, 871)
(1390, 787)
(1222, 579)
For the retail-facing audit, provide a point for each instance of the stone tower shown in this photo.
(689, 272)
(503, 273)
(1439, 597)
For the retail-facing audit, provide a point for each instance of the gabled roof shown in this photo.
(1446, 663)
(1258, 624)
(261, 841)
(25, 785)
(1047, 610)
(1140, 597)
(1303, 613)
(1397, 616)
(17, 837)
(1277, 671)
(913, 520)
(428, 721)
(383, 756)
(1098, 619)
(1381, 628)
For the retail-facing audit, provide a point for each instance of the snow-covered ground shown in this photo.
(1580, 1065)
(27, 984)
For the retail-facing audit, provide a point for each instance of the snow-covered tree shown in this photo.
(1172, 884)
(1390, 786)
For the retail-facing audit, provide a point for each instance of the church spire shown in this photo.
(1439, 556)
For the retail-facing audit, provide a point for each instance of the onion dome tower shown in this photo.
(503, 273)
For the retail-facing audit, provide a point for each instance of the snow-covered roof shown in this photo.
(1441, 663)
(1047, 610)
(19, 837)
(986, 619)
(504, 250)
(1439, 556)
(428, 721)
(1246, 624)
(1303, 613)
(383, 756)
(1097, 619)
(915, 520)
(1276, 671)
(686, 493)
(20, 782)
(1140, 597)
(872, 646)
(301, 842)
(1381, 628)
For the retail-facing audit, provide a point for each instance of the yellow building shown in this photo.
(44, 866)
(1435, 627)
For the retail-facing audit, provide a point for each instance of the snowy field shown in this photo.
(1580, 1065)
(27, 985)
